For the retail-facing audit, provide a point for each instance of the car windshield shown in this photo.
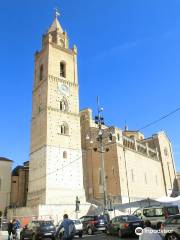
(46, 223)
(129, 218)
(77, 221)
(133, 218)
(172, 210)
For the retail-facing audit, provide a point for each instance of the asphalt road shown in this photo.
(86, 237)
(105, 237)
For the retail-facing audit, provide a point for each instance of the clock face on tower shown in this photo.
(63, 89)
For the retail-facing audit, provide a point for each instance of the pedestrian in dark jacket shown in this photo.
(10, 229)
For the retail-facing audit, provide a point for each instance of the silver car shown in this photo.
(170, 229)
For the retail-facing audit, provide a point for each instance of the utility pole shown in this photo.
(99, 119)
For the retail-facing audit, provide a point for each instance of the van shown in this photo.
(157, 214)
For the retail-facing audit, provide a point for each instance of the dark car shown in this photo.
(93, 224)
(124, 225)
(170, 229)
(37, 230)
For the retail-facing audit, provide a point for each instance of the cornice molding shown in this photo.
(66, 50)
(59, 111)
(57, 79)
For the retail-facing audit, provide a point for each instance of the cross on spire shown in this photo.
(57, 13)
(55, 26)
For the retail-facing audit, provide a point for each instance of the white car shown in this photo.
(79, 227)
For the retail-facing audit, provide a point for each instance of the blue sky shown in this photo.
(129, 55)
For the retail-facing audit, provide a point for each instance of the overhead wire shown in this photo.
(159, 119)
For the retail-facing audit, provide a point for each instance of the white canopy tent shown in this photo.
(170, 200)
(148, 202)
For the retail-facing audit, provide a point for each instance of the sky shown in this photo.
(128, 55)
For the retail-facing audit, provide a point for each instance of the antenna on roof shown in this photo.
(126, 126)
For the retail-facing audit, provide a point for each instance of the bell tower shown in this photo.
(56, 172)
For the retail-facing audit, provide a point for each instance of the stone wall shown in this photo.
(54, 212)
(5, 183)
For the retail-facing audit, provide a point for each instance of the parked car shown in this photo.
(156, 214)
(93, 224)
(124, 225)
(170, 229)
(79, 228)
(37, 230)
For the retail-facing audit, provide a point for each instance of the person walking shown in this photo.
(15, 226)
(10, 229)
(149, 233)
(66, 230)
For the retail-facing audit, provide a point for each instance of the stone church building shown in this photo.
(63, 164)
(135, 167)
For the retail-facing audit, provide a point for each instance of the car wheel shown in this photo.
(120, 233)
(158, 225)
(172, 236)
(90, 231)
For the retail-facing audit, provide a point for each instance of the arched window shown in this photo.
(64, 154)
(64, 130)
(63, 105)
(61, 42)
(118, 137)
(63, 69)
(41, 70)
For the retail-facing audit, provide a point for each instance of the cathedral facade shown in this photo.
(63, 165)
(135, 167)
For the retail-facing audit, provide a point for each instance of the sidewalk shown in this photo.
(3, 233)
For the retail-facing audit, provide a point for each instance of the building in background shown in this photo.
(178, 182)
(19, 185)
(5, 182)
(135, 167)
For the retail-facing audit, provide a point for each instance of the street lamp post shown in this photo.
(99, 120)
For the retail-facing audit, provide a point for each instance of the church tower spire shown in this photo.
(56, 34)
(56, 26)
